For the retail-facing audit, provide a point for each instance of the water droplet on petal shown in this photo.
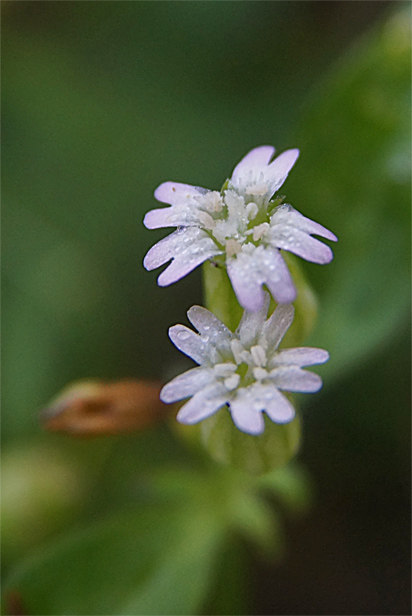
(183, 335)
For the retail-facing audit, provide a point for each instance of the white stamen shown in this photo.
(224, 370)
(213, 202)
(237, 350)
(260, 230)
(260, 373)
(206, 220)
(259, 189)
(232, 248)
(231, 382)
(251, 210)
(258, 355)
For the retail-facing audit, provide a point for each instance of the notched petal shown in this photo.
(278, 170)
(188, 247)
(176, 193)
(190, 343)
(203, 404)
(286, 214)
(244, 416)
(186, 384)
(258, 158)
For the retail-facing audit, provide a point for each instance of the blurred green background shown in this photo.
(102, 101)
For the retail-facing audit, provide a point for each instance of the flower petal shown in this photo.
(244, 415)
(249, 271)
(286, 214)
(186, 384)
(252, 322)
(190, 343)
(277, 407)
(243, 272)
(206, 322)
(188, 247)
(256, 159)
(299, 356)
(300, 243)
(248, 404)
(181, 266)
(292, 378)
(176, 193)
(211, 328)
(174, 216)
(277, 276)
(278, 170)
(162, 252)
(156, 219)
(203, 404)
(277, 325)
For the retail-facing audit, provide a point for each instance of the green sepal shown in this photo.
(306, 305)
(254, 454)
(219, 295)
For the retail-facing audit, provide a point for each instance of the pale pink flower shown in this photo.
(241, 228)
(244, 370)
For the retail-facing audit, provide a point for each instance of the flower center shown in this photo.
(247, 366)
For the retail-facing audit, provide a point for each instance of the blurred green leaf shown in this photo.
(232, 591)
(354, 177)
(42, 492)
(153, 560)
(291, 486)
(166, 556)
(231, 495)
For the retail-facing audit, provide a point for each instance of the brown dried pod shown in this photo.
(98, 408)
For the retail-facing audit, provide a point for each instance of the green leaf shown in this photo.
(153, 560)
(354, 178)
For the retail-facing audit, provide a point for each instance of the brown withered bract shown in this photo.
(98, 408)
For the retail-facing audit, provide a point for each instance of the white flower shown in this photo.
(240, 227)
(244, 370)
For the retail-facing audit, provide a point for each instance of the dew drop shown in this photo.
(183, 335)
